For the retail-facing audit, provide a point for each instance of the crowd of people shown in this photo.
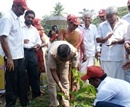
(27, 52)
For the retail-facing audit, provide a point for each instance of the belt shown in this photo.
(28, 49)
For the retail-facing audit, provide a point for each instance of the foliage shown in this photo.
(88, 89)
(58, 10)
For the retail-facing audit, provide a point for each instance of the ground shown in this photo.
(84, 100)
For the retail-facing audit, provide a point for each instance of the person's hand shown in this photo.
(97, 56)
(36, 47)
(109, 36)
(126, 65)
(26, 41)
(84, 57)
(10, 64)
(63, 91)
(113, 43)
(127, 47)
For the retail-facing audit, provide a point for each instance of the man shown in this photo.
(111, 92)
(91, 46)
(111, 34)
(58, 56)
(102, 15)
(12, 43)
(32, 43)
(127, 16)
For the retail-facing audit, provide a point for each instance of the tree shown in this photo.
(58, 10)
(84, 12)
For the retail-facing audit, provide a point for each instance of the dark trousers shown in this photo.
(31, 65)
(107, 104)
(16, 84)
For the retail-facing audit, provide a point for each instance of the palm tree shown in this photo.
(58, 10)
(84, 11)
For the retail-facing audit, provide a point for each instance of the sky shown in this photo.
(45, 7)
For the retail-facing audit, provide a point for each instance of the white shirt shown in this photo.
(114, 52)
(115, 91)
(10, 26)
(32, 35)
(89, 39)
(127, 17)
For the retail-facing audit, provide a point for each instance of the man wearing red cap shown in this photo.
(102, 15)
(12, 44)
(127, 16)
(111, 92)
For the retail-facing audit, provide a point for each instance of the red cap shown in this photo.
(70, 16)
(93, 71)
(37, 23)
(102, 12)
(22, 3)
(75, 20)
(128, 3)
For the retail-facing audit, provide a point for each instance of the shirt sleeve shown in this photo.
(104, 95)
(75, 60)
(51, 61)
(127, 38)
(5, 26)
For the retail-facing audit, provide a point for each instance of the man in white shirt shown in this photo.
(127, 16)
(110, 92)
(90, 44)
(12, 44)
(32, 42)
(111, 34)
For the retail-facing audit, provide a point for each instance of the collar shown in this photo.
(24, 25)
(14, 15)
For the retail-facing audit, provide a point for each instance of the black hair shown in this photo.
(55, 28)
(49, 34)
(29, 12)
(63, 51)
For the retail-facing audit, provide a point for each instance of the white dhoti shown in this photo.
(114, 68)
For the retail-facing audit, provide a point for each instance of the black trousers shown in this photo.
(31, 66)
(107, 104)
(16, 84)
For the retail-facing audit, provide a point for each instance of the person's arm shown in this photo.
(6, 49)
(57, 80)
(103, 40)
(5, 29)
(38, 40)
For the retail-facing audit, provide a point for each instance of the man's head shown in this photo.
(102, 15)
(128, 5)
(112, 14)
(95, 75)
(19, 6)
(29, 17)
(63, 52)
(87, 18)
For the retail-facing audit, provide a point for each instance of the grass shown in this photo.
(84, 100)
